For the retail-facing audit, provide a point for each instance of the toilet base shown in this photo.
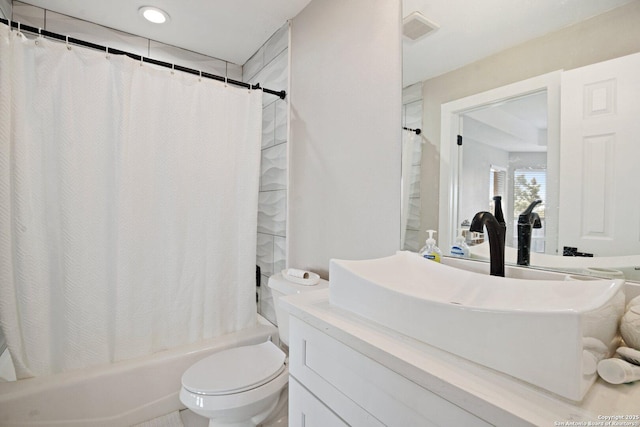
(230, 418)
(252, 422)
(280, 414)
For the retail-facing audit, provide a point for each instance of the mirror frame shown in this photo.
(450, 158)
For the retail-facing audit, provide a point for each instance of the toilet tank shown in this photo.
(282, 287)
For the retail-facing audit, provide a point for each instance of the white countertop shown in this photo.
(558, 262)
(493, 396)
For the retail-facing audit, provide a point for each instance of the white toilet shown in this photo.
(242, 386)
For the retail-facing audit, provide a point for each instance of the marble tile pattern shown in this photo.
(27, 14)
(269, 66)
(5, 9)
(94, 33)
(268, 125)
(281, 121)
(412, 241)
(186, 58)
(279, 253)
(413, 222)
(276, 44)
(274, 75)
(264, 254)
(413, 115)
(272, 207)
(412, 118)
(412, 93)
(267, 308)
(273, 168)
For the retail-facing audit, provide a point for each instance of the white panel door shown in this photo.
(600, 158)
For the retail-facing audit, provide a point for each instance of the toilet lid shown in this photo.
(235, 370)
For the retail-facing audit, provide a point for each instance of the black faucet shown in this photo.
(496, 230)
(527, 221)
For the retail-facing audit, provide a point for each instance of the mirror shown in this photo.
(443, 198)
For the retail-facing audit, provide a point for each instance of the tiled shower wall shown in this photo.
(412, 118)
(5, 9)
(270, 67)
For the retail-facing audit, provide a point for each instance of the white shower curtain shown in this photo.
(128, 206)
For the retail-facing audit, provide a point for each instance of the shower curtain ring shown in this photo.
(106, 49)
(173, 68)
(200, 78)
(67, 42)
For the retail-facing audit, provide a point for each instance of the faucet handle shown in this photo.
(536, 221)
(497, 209)
(528, 216)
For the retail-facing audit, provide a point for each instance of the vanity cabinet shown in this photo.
(333, 384)
(346, 370)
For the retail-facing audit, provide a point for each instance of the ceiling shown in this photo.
(515, 125)
(234, 30)
(471, 30)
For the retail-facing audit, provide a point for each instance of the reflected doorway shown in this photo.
(491, 140)
(503, 152)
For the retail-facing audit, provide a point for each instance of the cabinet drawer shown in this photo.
(334, 372)
(305, 410)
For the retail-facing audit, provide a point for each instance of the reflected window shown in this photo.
(530, 185)
(497, 182)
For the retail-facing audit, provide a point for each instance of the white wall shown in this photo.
(474, 184)
(345, 138)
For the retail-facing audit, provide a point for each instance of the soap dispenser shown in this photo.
(430, 250)
(460, 248)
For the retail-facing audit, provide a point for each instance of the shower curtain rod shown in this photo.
(417, 131)
(281, 94)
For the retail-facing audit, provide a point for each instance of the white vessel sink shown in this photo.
(550, 331)
(510, 271)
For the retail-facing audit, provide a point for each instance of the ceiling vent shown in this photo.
(415, 26)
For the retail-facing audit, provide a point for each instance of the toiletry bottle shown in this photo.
(430, 250)
(460, 248)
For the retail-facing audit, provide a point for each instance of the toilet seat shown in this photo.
(245, 402)
(235, 370)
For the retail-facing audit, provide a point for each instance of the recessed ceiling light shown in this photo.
(153, 14)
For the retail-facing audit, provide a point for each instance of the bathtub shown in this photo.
(121, 394)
